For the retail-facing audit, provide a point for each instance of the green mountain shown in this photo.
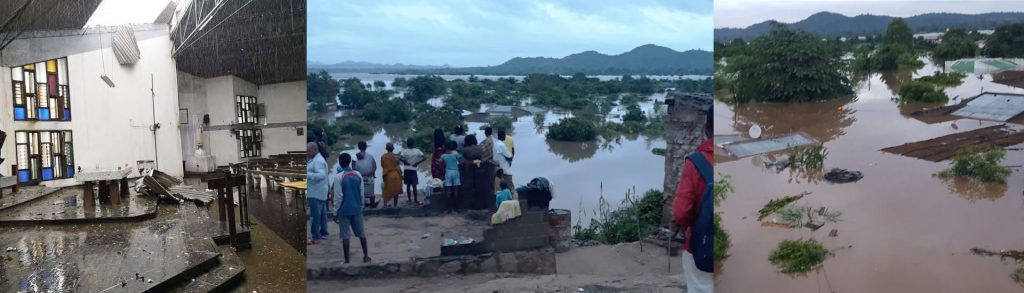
(646, 59)
(828, 24)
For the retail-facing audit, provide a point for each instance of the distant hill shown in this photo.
(828, 24)
(646, 59)
(366, 67)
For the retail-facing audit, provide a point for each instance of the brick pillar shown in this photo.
(684, 131)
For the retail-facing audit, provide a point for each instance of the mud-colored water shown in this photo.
(902, 229)
(577, 170)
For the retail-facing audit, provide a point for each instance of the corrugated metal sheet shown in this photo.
(126, 48)
(993, 106)
(754, 147)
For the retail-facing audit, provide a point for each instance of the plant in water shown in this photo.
(776, 204)
(809, 157)
(803, 215)
(798, 256)
(982, 166)
(921, 92)
(632, 220)
(722, 241)
(949, 78)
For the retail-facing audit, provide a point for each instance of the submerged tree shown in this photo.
(1006, 41)
(789, 66)
(956, 44)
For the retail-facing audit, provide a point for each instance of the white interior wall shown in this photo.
(285, 103)
(220, 105)
(110, 125)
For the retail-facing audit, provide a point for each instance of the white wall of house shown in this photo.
(111, 126)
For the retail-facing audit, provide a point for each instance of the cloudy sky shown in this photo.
(742, 13)
(479, 33)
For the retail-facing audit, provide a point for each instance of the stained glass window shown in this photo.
(44, 155)
(250, 142)
(41, 91)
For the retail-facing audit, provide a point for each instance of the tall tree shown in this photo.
(955, 44)
(789, 66)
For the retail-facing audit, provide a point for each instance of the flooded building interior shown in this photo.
(150, 156)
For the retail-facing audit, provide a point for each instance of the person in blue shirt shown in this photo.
(452, 181)
(316, 193)
(348, 189)
(503, 195)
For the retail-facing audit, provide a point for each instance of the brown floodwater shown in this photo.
(902, 230)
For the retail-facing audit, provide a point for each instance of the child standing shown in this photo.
(452, 181)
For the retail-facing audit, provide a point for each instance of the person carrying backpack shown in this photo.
(693, 211)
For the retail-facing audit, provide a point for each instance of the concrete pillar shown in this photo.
(684, 131)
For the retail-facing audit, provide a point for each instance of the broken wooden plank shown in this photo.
(946, 147)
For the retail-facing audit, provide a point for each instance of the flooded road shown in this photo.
(577, 170)
(902, 229)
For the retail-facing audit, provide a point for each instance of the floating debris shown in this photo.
(837, 175)
(776, 204)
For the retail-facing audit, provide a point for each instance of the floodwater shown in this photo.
(577, 170)
(902, 229)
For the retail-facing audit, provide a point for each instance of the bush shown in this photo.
(573, 129)
(354, 128)
(949, 78)
(634, 114)
(798, 256)
(921, 92)
(982, 166)
(1018, 275)
(388, 111)
(722, 241)
(631, 221)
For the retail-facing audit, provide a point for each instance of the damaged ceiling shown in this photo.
(261, 41)
(19, 16)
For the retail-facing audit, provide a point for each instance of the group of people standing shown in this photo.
(475, 168)
(481, 170)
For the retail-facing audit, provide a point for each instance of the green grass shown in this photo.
(983, 166)
(798, 256)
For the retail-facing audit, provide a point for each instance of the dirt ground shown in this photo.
(606, 268)
(395, 239)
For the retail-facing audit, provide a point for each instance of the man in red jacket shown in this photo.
(684, 210)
